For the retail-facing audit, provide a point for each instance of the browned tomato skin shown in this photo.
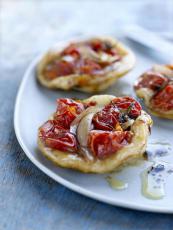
(151, 80)
(67, 110)
(89, 67)
(72, 50)
(107, 118)
(59, 68)
(128, 105)
(163, 100)
(103, 46)
(56, 138)
(103, 144)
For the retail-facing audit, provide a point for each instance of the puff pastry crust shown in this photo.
(89, 65)
(155, 87)
(131, 120)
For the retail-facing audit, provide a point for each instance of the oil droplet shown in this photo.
(155, 178)
(152, 188)
(116, 184)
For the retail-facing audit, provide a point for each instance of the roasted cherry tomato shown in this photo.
(163, 100)
(106, 119)
(47, 129)
(104, 46)
(104, 143)
(151, 80)
(71, 50)
(55, 138)
(59, 68)
(98, 45)
(128, 105)
(67, 110)
(88, 66)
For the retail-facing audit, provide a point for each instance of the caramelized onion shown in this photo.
(76, 121)
(84, 127)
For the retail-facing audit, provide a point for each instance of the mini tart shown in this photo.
(89, 121)
(90, 65)
(155, 87)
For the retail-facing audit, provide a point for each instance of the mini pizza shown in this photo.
(95, 135)
(156, 88)
(87, 65)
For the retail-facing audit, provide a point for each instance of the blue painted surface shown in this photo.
(29, 200)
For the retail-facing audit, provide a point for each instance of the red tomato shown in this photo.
(106, 119)
(151, 80)
(163, 100)
(56, 138)
(59, 68)
(71, 50)
(66, 103)
(47, 129)
(63, 141)
(103, 143)
(128, 105)
(67, 110)
(104, 46)
(96, 45)
(89, 66)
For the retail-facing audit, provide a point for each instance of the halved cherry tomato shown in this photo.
(66, 103)
(151, 80)
(106, 119)
(98, 45)
(88, 66)
(128, 105)
(104, 46)
(67, 110)
(47, 129)
(104, 143)
(163, 100)
(59, 68)
(56, 138)
(71, 50)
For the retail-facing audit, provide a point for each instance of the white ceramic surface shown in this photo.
(33, 106)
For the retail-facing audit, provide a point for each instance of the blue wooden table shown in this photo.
(29, 200)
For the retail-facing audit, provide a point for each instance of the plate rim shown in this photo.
(70, 185)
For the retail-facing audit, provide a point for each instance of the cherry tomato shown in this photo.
(66, 103)
(56, 138)
(47, 129)
(128, 106)
(59, 68)
(151, 80)
(67, 110)
(104, 46)
(103, 143)
(96, 45)
(107, 119)
(163, 100)
(71, 50)
(89, 66)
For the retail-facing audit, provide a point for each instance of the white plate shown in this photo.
(33, 106)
